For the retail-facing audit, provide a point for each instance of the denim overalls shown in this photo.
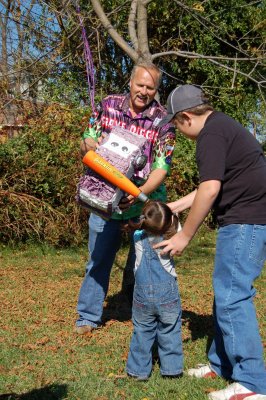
(156, 314)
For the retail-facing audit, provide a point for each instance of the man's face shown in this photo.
(143, 88)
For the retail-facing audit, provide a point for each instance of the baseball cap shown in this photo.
(182, 98)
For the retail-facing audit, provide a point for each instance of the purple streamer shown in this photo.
(90, 70)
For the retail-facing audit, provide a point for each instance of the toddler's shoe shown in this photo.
(202, 371)
(137, 377)
(235, 391)
(177, 376)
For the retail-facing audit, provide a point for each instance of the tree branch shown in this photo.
(131, 24)
(261, 84)
(196, 55)
(143, 40)
(112, 31)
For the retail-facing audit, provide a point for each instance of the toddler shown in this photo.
(156, 311)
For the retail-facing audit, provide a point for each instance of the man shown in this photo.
(232, 170)
(140, 113)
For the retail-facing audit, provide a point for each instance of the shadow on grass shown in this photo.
(199, 325)
(117, 307)
(51, 392)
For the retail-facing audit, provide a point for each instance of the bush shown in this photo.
(39, 172)
(184, 173)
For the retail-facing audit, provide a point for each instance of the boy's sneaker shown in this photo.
(202, 371)
(236, 392)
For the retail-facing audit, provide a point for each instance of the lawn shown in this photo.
(42, 358)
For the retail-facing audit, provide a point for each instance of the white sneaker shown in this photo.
(202, 371)
(236, 392)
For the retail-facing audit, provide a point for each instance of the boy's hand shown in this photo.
(176, 245)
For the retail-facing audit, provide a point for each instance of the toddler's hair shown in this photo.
(157, 219)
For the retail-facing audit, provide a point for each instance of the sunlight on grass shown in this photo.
(41, 355)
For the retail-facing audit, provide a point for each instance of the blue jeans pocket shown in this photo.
(170, 311)
(257, 250)
(96, 223)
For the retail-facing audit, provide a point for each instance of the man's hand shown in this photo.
(126, 202)
(90, 144)
(86, 145)
(175, 246)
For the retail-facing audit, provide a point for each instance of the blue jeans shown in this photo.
(156, 315)
(104, 243)
(237, 350)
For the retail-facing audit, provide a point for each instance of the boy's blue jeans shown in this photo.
(237, 350)
(156, 315)
(104, 243)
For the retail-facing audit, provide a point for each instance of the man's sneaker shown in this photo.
(84, 329)
(236, 392)
(202, 371)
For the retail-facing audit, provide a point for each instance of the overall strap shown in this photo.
(151, 269)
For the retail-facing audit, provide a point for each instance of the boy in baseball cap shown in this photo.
(182, 98)
(232, 174)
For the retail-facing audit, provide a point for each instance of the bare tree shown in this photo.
(15, 24)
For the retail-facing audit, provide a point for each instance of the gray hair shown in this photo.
(147, 65)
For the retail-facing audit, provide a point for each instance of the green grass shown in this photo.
(41, 357)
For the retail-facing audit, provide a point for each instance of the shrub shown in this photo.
(39, 172)
(184, 173)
